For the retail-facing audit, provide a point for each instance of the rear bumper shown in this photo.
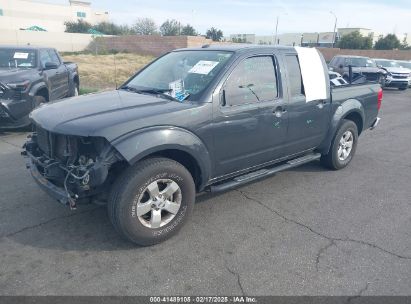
(375, 123)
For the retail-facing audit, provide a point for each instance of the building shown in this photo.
(363, 31)
(24, 14)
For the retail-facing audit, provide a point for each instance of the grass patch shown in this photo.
(99, 71)
(84, 90)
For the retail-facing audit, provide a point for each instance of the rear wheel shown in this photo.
(402, 89)
(151, 201)
(343, 146)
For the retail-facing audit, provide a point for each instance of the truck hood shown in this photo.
(398, 70)
(108, 114)
(13, 75)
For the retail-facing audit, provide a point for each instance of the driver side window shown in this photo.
(253, 80)
(44, 58)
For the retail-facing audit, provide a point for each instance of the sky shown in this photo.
(259, 16)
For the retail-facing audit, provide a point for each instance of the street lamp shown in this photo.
(276, 31)
(335, 27)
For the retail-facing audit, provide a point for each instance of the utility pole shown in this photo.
(335, 28)
(276, 31)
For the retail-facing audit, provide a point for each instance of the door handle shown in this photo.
(279, 111)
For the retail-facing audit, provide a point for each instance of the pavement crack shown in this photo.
(359, 294)
(237, 275)
(320, 234)
(322, 251)
(46, 222)
(9, 143)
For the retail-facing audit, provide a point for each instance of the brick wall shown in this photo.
(150, 45)
(329, 53)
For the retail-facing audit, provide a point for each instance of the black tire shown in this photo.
(332, 159)
(38, 100)
(74, 89)
(402, 89)
(132, 184)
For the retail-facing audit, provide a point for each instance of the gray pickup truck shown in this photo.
(194, 120)
(30, 76)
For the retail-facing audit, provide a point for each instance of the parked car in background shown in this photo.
(397, 76)
(204, 119)
(361, 66)
(405, 64)
(30, 76)
(336, 79)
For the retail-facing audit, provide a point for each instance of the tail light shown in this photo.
(380, 94)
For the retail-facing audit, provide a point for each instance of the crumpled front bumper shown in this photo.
(14, 113)
(55, 192)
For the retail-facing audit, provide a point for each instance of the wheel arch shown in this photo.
(174, 143)
(351, 109)
(40, 90)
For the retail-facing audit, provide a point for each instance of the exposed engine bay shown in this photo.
(79, 166)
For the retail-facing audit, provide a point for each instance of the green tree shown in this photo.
(388, 42)
(108, 28)
(170, 28)
(145, 26)
(188, 30)
(78, 26)
(214, 34)
(355, 41)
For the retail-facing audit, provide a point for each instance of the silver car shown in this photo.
(397, 77)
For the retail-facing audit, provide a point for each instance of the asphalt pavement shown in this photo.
(307, 231)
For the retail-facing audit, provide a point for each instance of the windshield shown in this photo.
(185, 74)
(361, 62)
(15, 58)
(388, 63)
(405, 64)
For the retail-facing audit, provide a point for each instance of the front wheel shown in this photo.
(151, 201)
(343, 146)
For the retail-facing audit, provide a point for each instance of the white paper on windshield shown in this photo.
(203, 67)
(312, 71)
(18, 55)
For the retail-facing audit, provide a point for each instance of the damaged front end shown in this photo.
(72, 169)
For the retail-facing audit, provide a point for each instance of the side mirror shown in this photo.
(50, 66)
(341, 66)
(379, 66)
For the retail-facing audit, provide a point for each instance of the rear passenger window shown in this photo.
(253, 80)
(294, 76)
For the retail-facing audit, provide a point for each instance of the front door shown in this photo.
(61, 75)
(52, 78)
(250, 121)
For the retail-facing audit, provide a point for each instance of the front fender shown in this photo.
(137, 145)
(343, 110)
(37, 87)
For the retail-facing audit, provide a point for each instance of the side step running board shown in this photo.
(253, 176)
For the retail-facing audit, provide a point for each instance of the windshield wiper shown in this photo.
(161, 92)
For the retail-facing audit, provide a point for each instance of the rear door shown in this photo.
(308, 121)
(250, 120)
